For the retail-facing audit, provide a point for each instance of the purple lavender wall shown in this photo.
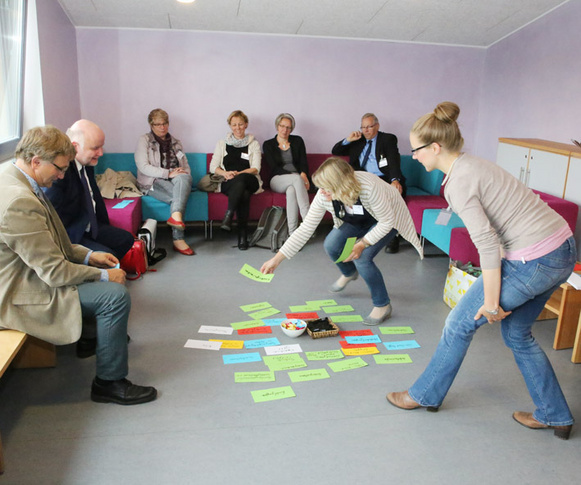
(532, 82)
(58, 60)
(327, 84)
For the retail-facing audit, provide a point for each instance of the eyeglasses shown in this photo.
(367, 127)
(157, 125)
(414, 150)
(60, 169)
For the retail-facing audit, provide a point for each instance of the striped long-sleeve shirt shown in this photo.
(380, 199)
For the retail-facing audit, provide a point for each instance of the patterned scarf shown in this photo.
(167, 155)
(235, 142)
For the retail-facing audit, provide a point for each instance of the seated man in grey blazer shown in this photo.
(47, 283)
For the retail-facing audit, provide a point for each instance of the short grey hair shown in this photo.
(370, 115)
(283, 116)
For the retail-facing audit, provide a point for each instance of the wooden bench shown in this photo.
(23, 351)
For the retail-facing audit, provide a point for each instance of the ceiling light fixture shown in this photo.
(186, 1)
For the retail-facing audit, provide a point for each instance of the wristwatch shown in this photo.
(365, 243)
(493, 312)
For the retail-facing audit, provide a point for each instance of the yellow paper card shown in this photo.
(229, 344)
(361, 351)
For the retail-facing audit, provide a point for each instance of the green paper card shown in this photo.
(273, 394)
(320, 303)
(255, 306)
(346, 318)
(338, 309)
(308, 375)
(325, 355)
(347, 364)
(347, 249)
(267, 312)
(255, 275)
(395, 330)
(393, 359)
(266, 376)
(247, 324)
(304, 308)
(284, 362)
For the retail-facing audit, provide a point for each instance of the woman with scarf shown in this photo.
(237, 159)
(163, 172)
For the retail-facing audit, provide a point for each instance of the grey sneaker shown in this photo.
(336, 287)
(377, 321)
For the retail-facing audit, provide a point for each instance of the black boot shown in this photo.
(227, 222)
(243, 237)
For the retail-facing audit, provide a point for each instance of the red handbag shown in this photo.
(135, 261)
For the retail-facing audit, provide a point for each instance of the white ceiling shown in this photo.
(457, 22)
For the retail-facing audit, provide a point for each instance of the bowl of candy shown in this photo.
(293, 327)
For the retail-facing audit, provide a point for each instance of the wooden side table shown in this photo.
(565, 303)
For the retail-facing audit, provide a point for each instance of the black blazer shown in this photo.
(385, 146)
(68, 199)
(273, 156)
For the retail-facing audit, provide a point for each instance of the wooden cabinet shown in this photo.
(543, 165)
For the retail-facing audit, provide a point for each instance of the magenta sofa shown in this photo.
(218, 203)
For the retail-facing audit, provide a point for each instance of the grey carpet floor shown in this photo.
(206, 429)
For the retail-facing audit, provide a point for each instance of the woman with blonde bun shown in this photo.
(526, 252)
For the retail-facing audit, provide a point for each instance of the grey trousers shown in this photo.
(297, 197)
(109, 304)
(175, 192)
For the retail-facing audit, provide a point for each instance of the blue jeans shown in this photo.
(109, 303)
(334, 244)
(526, 287)
(174, 191)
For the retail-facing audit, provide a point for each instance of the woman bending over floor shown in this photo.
(526, 251)
(362, 206)
(286, 156)
(163, 172)
(237, 159)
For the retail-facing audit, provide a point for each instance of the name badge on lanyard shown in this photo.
(382, 162)
(358, 209)
(245, 156)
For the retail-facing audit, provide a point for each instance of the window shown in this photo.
(12, 24)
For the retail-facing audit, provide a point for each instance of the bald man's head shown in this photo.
(88, 140)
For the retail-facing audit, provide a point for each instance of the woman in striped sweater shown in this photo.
(362, 206)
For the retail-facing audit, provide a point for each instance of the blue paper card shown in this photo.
(363, 339)
(402, 344)
(273, 322)
(123, 204)
(241, 358)
(262, 342)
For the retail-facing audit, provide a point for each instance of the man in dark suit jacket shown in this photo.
(376, 152)
(77, 198)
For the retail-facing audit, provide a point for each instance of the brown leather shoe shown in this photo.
(403, 400)
(526, 419)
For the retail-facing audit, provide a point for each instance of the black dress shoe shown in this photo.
(122, 392)
(86, 347)
(393, 246)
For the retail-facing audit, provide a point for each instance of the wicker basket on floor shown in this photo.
(324, 333)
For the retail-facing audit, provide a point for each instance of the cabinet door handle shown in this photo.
(527, 177)
(520, 177)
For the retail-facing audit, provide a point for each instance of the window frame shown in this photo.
(7, 147)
